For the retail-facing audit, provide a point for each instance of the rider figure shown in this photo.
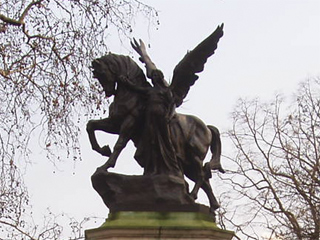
(155, 150)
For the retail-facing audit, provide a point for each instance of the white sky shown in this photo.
(269, 46)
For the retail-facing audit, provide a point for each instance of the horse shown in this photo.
(190, 136)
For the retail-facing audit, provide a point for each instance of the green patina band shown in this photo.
(159, 219)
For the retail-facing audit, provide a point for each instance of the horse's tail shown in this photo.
(215, 148)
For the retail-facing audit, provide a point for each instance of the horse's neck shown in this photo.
(124, 95)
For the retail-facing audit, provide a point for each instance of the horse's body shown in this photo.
(190, 136)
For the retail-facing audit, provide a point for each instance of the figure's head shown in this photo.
(108, 68)
(158, 79)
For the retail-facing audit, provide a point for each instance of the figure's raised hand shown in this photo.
(140, 48)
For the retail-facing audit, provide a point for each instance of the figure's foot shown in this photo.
(105, 151)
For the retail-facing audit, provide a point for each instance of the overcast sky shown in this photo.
(269, 46)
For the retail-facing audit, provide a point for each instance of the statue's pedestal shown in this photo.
(158, 225)
(141, 193)
(150, 207)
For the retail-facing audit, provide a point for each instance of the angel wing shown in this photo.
(184, 74)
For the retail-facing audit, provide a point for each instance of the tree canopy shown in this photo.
(277, 166)
(46, 87)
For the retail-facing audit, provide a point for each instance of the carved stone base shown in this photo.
(154, 225)
(151, 207)
(142, 193)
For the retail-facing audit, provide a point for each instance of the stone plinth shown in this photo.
(136, 193)
(158, 225)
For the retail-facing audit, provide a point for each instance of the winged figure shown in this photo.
(167, 142)
(185, 73)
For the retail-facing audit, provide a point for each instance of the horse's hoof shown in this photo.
(106, 166)
(214, 207)
(109, 164)
(218, 167)
(102, 169)
(105, 151)
(194, 196)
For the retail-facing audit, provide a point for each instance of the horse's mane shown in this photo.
(124, 65)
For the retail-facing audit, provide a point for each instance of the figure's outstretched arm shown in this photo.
(132, 86)
(140, 48)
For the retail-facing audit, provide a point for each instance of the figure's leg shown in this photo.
(125, 134)
(106, 125)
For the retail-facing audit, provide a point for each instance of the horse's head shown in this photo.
(107, 79)
(108, 68)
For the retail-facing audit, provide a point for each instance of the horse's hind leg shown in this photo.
(198, 176)
(212, 199)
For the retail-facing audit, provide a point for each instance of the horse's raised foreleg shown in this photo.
(125, 134)
(106, 125)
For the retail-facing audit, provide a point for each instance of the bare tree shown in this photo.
(46, 87)
(277, 167)
(46, 48)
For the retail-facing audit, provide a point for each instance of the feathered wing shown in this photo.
(184, 74)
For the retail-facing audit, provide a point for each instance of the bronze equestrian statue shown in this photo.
(167, 142)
